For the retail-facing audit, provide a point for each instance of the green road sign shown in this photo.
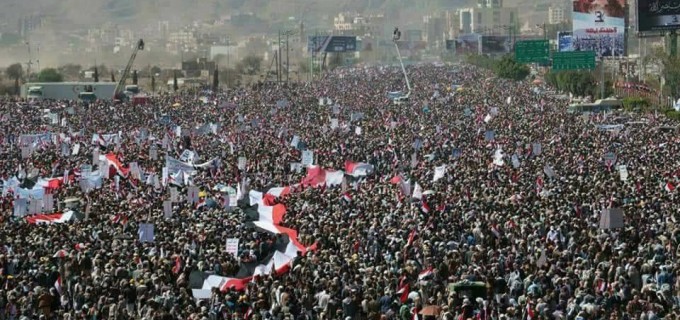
(573, 60)
(530, 51)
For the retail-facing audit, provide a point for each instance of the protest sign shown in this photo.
(307, 158)
(232, 246)
(489, 135)
(536, 149)
(611, 218)
(192, 195)
(241, 163)
(167, 209)
(146, 232)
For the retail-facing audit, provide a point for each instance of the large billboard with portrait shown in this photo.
(656, 15)
(565, 41)
(600, 26)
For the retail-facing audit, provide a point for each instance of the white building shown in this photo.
(556, 15)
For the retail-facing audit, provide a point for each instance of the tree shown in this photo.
(134, 77)
(250, 65)
(579, 83)
(113, 77)
(508, 68)
(153, 84)
(175, 87)
(50, 75)
(96, 74)
(670, 67)
(15, 71)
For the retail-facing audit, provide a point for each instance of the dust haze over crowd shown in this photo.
(65, 24)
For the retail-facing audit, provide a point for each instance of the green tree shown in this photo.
(50, 75)
(250, 65)
(579, 83)
(670, 70)
(508, 68)
(15, 71)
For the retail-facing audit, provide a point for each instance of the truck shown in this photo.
(84, 91)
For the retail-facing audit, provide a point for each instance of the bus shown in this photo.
(602, 105)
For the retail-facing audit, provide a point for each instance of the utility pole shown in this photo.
(278, 63)
(287, 59)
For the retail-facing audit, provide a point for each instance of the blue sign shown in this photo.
(565, 41)
(331, 44)
(457, 152)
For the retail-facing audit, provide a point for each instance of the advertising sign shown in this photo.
(564, 41)
(599, 26)
(467, 44)
(655, 15)
(496, 44)
(331, 43)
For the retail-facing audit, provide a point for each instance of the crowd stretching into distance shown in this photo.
(479, 198)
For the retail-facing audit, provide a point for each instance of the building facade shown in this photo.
(557, 14)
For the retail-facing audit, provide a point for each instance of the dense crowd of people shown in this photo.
(486, 200)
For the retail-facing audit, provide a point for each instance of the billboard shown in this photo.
(658, 15)
(564, 41)
(467, 44)
(496, 44)
(331, 43)
(599, 25)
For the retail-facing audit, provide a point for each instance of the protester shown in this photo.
(479, 198)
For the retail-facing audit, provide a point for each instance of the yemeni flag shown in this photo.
(60, 254)
(425, 207)
(346, 197)
(260, 212)
(403, 293)
(358, 169)
(426, 274)
(411, 238)
(113, 161)
(120, 218)
(57, 284)
(50, 218)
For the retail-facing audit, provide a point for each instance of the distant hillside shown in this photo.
(79, 14)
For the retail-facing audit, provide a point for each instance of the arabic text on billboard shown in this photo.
(599, 26)
(496, 44)
(564, 40)
(654, 15)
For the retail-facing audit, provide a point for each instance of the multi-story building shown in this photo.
(358, 25)
(488, 17)
(556, 14)
(182, 41)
